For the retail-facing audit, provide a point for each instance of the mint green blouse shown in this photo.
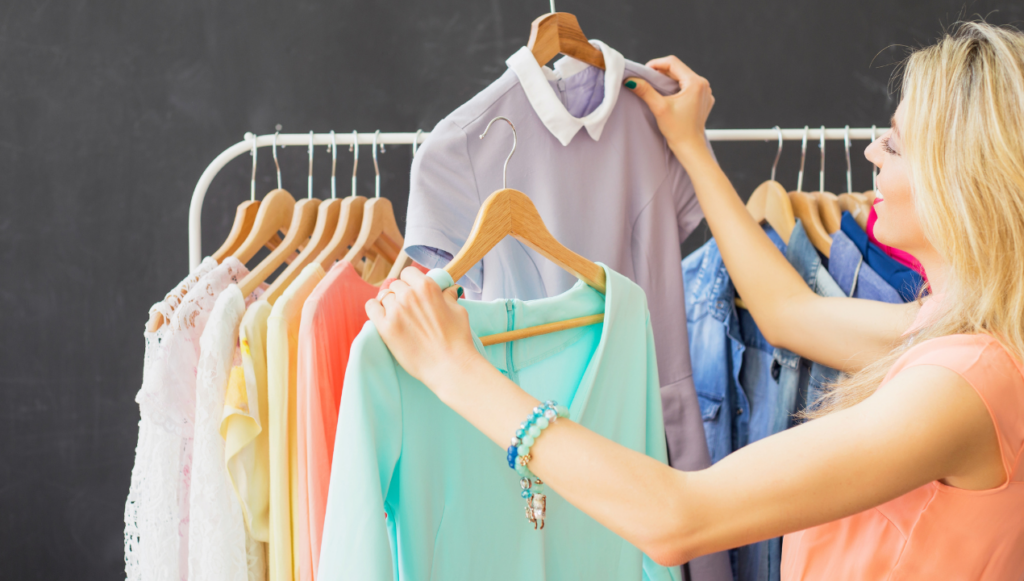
(453, 506)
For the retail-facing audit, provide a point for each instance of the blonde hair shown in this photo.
(963, 140)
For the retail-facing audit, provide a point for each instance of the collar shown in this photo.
(534, 80)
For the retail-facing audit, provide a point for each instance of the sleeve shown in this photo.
(655, 447)
(368, 444)
(443, 201)
(688, 211)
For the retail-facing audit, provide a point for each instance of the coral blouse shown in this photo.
(936, 531)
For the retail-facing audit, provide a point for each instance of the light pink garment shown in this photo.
(332, 316)
(896, 254)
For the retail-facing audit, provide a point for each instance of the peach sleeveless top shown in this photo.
(936, 531)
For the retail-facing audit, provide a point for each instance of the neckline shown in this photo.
(534, 80)
(580, 300)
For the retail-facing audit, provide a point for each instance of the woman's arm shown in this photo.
(927, 424)
(845, 334)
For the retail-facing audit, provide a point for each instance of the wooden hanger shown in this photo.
(829, 212)
(301, 227)
(245, 217)
(858, 208)
(400, 264)
(560, 32)
(770, 203)
(509, 212)
(350, 218)
(805, 207)
(274, 214)
(379, 230)
(326, 224)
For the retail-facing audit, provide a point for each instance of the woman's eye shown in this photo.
(889, 150)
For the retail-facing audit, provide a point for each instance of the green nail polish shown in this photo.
(630, 84)
(460, 293)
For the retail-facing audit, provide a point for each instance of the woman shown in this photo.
(913, 463)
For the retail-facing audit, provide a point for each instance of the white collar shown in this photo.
(534, 80)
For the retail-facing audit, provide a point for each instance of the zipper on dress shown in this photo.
(510, 325)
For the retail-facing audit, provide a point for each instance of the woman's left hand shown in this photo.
(425, 328)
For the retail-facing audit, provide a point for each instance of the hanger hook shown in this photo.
(252, 185)
(803, 158)
(778, 153)
(515, 140)
(376, 168)
(355, 160)
(874, 168)
(276, 133)
(849, 170)
(334, 167)
(552, 6)
(416, 141)
(309, 181)
(821, 170)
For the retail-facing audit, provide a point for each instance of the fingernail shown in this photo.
(630, 84)
(460, 292)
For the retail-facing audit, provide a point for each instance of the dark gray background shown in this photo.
(110, 110)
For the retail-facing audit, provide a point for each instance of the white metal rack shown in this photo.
(199, 194)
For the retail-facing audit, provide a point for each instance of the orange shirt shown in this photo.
(936, 531)
(332, 316)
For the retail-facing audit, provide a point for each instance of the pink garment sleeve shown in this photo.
(896, 254)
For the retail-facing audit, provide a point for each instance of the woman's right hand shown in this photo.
(681, 117)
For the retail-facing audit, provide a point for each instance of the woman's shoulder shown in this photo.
(982, 361)
(967, 355)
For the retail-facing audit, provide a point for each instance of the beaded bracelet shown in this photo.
(519, 458)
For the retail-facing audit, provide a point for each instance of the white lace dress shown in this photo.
(157, 510)
(219, 546)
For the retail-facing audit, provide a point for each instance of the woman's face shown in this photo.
(897, 224)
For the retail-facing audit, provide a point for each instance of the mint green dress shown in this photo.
(453, 506)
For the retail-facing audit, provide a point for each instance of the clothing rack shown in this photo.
(284, 139)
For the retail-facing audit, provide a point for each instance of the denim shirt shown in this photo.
(732, 374)
(858, 280)
(802, 381)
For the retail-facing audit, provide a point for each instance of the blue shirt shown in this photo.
(858, 280)
(904, 279)
(454, 510)
(732, 373)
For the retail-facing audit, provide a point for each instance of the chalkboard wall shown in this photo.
(111, 109)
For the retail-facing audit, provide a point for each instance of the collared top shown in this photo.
(555, 115)
(904, 279)
(624, 201)
(454, 509)
(847, 266)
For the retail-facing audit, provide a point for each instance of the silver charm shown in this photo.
(536, 507)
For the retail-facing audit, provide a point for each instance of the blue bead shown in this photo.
(520, 433)
(511, 449)
(534, 431)
(551, 403)
(525, 494)
(524, 425)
